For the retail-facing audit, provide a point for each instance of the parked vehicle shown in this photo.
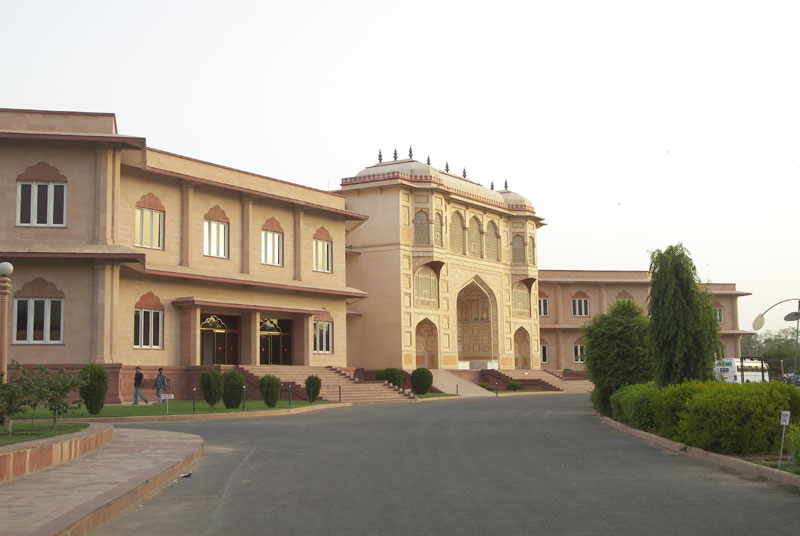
(730, 371)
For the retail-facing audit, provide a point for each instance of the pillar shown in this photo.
(6, 269)
(299, 251)
(247, 209)
(187, 240)
(105, 292)
(190, 336)
(250, 341)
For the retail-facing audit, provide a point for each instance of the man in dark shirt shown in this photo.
(137, 387)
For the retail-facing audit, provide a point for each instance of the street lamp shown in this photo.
(6, 269)
(758, 323)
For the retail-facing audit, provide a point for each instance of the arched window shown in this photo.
(521, 298)
(426, 287)
(531, 251)
(518, 250)
(438, 230)
(457, 233)
(474, 238)
(492, 242)
(421, 231)
(38, 313)
(148, 226)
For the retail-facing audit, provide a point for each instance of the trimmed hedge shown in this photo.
(211, 387)
(232, 382)
(392, 375)
(270, 388)
(635, 404)
(93, 386)
(793, 440)
(313, 385)
(671, 405)
(421, 381)
(514, 386)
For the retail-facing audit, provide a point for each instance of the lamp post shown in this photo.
(758, 323)
(6, 269)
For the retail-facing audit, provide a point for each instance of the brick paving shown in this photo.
(83, 492)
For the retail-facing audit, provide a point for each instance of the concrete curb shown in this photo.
(20, 459)
(438, 398)
(729, 462)
(213, 416)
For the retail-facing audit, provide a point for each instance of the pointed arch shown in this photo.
(426, 337)
(457, 233)
(474, 237)
(492, 242)
(478, 322)
(421, 228)
(149, 301)
(521, 300)
(426, 287)
(41, 172)
(518, 249)
(522, 349)
(39, 288)
(216, 213)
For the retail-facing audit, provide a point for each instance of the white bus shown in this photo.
(730, 370)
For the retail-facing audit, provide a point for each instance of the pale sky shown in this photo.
(630, 125)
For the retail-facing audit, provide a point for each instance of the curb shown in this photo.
(212, 416)
(729, 462)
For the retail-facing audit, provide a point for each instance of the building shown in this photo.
(450, 267)
(126, 255)
(570, 298)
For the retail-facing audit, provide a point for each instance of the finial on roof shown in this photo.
(464, 173)
(491, 185)
(395, 154)
(380, 156)
(447, 167)
(410, 152)
(505, 185)
(428, 162)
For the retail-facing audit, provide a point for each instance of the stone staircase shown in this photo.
(353, 391)
(552, 378)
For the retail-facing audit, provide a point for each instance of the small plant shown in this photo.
(421, 381)
(211, 387)
(392, 375)
(34, 385)
(232, 382)
(59, 387)
(93, 382)
(270, 387)
(12, 398)
(485, 386)
(313, 385)
(793, 441)
(514, 386)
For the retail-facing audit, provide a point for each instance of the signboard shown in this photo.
(785, 418)
(165, 396)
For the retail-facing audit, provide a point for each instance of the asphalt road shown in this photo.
(512, 465)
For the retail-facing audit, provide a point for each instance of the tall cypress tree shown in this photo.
(683, 329)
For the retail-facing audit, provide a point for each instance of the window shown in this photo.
(521, 300)
(323, 255)
(544, 353)
(580, 306)
(147, 328)
(578, 352)
(543, 308)
(272, 248)
(38, 320)
(518, 250)
(531, 251)
(474, 238)
(492, 242)
(457, 233)
(719, 314)
(148, 229)
(41, 203)
(426, 287)
(438, 232)
(215, 238)
(421, 228)
(323, 337)
(722, 354)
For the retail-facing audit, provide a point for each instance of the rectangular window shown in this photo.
(544, 353)
(323, 337)
(272, 248)
(41, 203)
(578, 352)
(147, 328)
(215, 238)
(323, 256)
(149, 228)
(38, 320)
(580, 307)
(543, 308)
(719, 314)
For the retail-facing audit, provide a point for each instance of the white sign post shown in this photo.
(167, 397)
(785, 415)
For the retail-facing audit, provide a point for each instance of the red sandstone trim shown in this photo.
(225, 305)
(323, 234)
(217, 214)
(133, 143)
(42, 172)
(122, 257)
(149, 301)
(151, 201)
(39, 288)
(272, 225)
(21, 459)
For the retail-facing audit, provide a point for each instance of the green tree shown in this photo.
(774, 347)
(93, 385)
(12, 398)
(59, 387)
(34, 385)
(211, 385)
(616, 351)
(684, 333)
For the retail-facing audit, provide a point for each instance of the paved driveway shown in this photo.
(512, 465)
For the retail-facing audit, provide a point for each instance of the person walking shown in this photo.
(160, 384)
(137, 387)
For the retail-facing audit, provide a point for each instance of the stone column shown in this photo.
(6, 269)
(103, 194)
(299, 250)
(247, 209)
(302, 342)
(483, 244)
(105, 286)
(190, 336)
(250, 342)
(187, 241)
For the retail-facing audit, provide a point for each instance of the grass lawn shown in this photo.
(785, 466)
(435, 395)
(21, 431)
(176, 407)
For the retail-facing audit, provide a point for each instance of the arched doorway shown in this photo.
(522, 349)
(219, 339)
(477, 326)
(275, 341)
(427, 344)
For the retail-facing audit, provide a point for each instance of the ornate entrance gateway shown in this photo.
(522, 349)
(477, 327)
(275, 341)
(427, 345)
(219, 339)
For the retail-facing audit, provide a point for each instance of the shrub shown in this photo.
(484, 385)
(793, 444)
(670, 406)
(313, 385)
(232, 382)
(93, 382)
(421, 381)
(59, 387)
(392, 375)
(270, 387)
(615, 401)
(631, 405)
(514, 386)
(211, 387)
(12, 399)
(737, 419)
